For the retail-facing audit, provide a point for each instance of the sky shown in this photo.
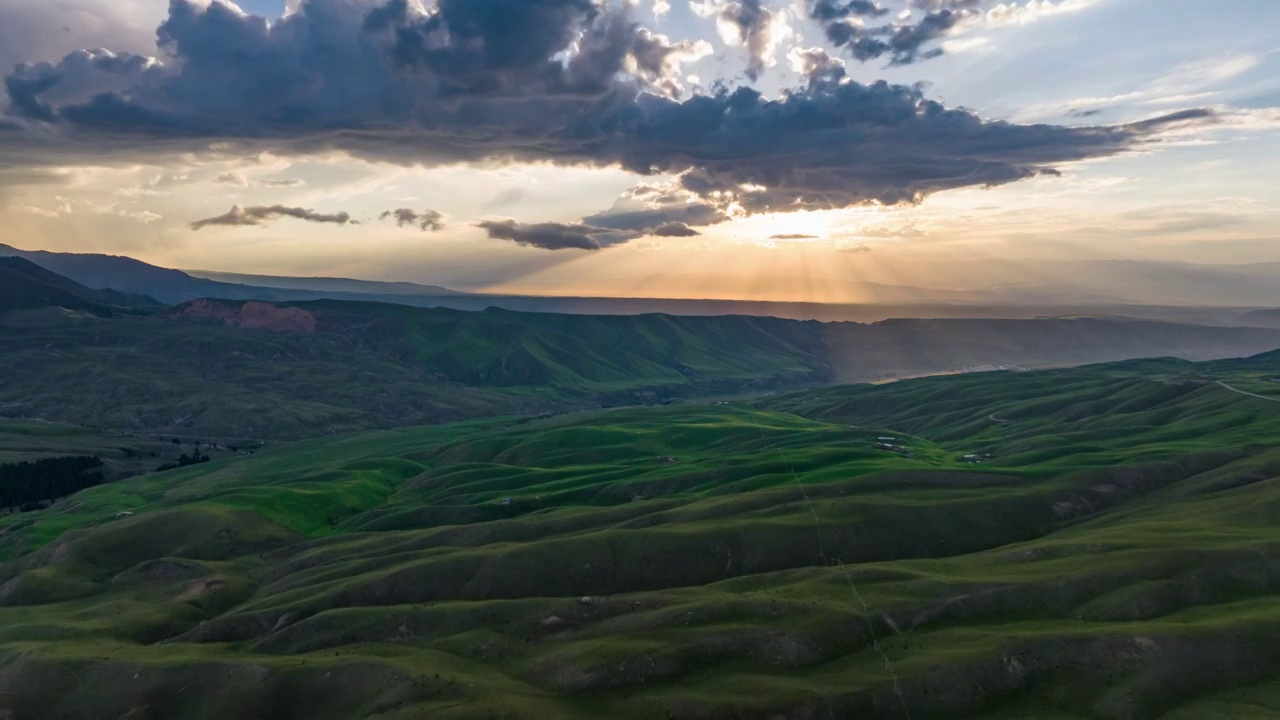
(753, 149)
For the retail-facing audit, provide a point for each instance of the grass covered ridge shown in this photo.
(1115, 556)
(216, 370)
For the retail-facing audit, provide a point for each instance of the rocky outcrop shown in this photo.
(252, 315)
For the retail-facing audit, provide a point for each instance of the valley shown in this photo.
(335, 509)
(289, 371)
(1114, 556)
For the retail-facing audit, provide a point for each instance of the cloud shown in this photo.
(549, 236)
(906, 231)
(911, 36)
(426, 220)
(855, 249)
(674, 229)
(1194, 81)
(506, 198)
(572, 82)
(830, 10)
(662, 210)
(817, 65)
(1033, 10)
(793, 236)
(750, 24)
(578, 236)
(642, 218)
(231, 178)
(239, 180)
(903, 42)
(42, 212)
(47, 31)
(145, 217)
(657, 61)
(67, 207)
(265, 214)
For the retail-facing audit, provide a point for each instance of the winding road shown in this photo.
(1247, 394)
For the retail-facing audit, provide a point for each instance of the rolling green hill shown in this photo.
(1094, 542)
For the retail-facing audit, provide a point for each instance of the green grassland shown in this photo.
(1116, 556)
(150, 376)
(371, 366)
(124, 454)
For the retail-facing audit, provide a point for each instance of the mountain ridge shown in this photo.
(391, 365)
(175, 286)
(25, 285)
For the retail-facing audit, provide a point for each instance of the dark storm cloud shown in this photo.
(851, 143)
(590, 234)
(674, 230)
(905, 40)
(543, 81)
(904, 43)
(264, 214)
(754, 26)
(24, 93)
(425, 220)
(643, 220)
(828, 10)
(551, 236)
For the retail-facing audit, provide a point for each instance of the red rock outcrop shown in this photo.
(252, 315)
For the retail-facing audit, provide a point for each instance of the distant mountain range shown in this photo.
(324, 284)
(1262, 318)
(171, 287)
(1229, 293)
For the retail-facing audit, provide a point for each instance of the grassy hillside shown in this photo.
(504, 348)
(147, 375)
(25, 285)
(220, 369)
(125, 454)
(385, 366)
(827, 554)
